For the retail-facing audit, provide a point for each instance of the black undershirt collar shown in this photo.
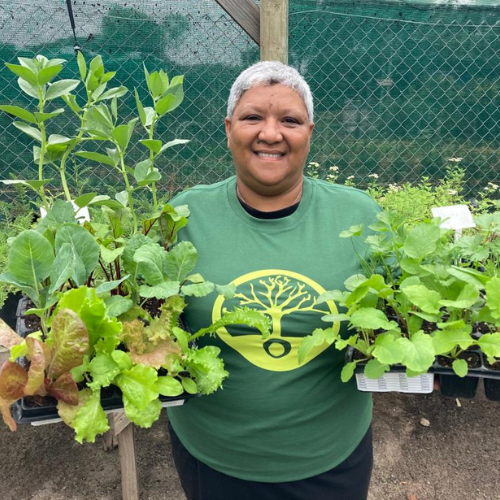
(277, 214)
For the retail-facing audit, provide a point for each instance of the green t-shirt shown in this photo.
(274, 420)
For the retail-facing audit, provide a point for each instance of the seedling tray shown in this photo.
(24, 411)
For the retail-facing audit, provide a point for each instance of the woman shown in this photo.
(278, 430)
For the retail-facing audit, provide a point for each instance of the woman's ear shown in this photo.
(227, 124)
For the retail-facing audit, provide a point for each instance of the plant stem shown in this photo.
(151, 157)
(43, 147)
(69, 149)
(127, 187)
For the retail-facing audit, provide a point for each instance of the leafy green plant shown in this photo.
(145, 358)
(109, 291)
(416, 300)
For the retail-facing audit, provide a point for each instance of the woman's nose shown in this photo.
(270, 132)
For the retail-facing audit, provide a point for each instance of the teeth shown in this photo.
(270, 155)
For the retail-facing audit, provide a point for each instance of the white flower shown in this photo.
(351, 177)
(493, 186)
(394, 187)
(452, 191)
(334, 168)
(375, 176)
(313, 164)
(456, 160)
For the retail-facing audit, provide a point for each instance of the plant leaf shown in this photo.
(161, 290)
(387, 351)
(30, 258)
(490, 344)
(114, 92)
(138, 385)
(31, 131)
(103, 369)
(98, 157)
(460, 367)
(174, 142)
(372, 319)
(418, 353)
(144, 417)
(207, 369)
(423, 298)
(63, 267)
(375, 369)
(90, 419)
(152, 144)
(181, 260)
(64, 389)
(8, 337)
(151, 260)
(347, 371)
(70, 343)
(13, 379)
(169, 386)
(84, 246)
(421, 240)
(48, 73)
(36, 372)
(19, 113)
(61, 87)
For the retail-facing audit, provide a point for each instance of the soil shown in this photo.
(427, 447)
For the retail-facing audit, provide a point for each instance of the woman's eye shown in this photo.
(252, 117)
(289, 119)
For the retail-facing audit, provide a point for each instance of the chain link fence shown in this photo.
(399, 87)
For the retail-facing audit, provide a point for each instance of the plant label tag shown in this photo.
(454, 217)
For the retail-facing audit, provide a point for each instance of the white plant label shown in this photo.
(455, 217)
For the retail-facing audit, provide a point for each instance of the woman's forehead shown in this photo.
(261, 95)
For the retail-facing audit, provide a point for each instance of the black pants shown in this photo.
(348, 481)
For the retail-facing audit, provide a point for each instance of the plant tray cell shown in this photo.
(492, 389)
(456, 387)
(397, 382)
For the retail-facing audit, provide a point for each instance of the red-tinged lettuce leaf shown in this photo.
(7, 416)
(157, 356)
(36, 372)
(13, 379)
(88, 419)
(8, 337)
(70, 343)
(64, 389)
(139, 385)
(103, 369)
(68, 412)
(143, 418)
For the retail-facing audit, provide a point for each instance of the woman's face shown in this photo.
(269, 137)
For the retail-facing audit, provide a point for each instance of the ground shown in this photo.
(456, 457)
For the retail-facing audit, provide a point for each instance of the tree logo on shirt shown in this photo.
(290, 301)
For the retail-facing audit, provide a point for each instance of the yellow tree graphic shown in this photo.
(281, 297)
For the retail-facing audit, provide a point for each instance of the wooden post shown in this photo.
(246, 14)
(121, 434)
(274, 30)
(126, 449)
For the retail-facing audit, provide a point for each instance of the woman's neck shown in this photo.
(269, 203)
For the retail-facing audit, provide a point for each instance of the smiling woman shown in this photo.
(269, 137)
(278, 430)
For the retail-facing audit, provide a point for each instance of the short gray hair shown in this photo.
(270, 73)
